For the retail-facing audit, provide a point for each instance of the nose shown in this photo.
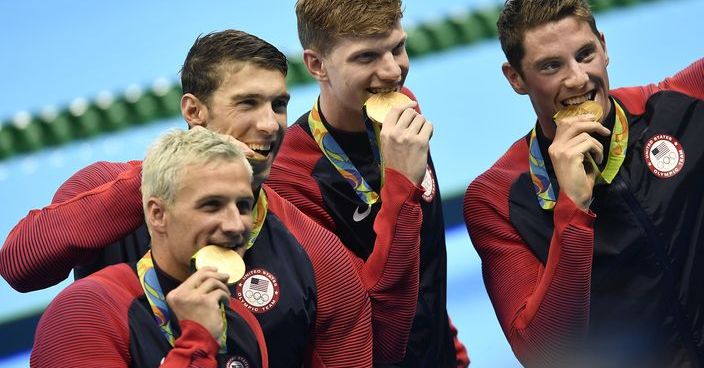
(389, 68)
(267, 121)
(577, 77)
(233, 223)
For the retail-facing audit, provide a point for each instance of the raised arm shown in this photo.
(95, 207)
(689, 81)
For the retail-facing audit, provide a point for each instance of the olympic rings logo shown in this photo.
(665, 162)
(259, 297)
(258, 290)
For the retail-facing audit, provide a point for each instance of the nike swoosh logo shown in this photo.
(357, 217)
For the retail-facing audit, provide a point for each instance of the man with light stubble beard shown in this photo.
(300, 282)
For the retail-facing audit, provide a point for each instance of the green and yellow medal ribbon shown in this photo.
(259, 215)
(339, 159)
(617, 153)
(157, 300)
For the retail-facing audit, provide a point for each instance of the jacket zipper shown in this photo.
(659, 248)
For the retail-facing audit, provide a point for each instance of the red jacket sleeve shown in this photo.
(253, 323)
(87, 326)
(542, 309)
(390, 273)
(95, 207)
(196, 347)
(342, 333)
(461, 351)
(84, 326)
(689, 81)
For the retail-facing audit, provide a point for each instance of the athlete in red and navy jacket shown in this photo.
(105, 320)
(405, 226)
(625, 273)
(317, 311)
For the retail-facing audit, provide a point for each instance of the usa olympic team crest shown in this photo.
(258, 290)
(237, 362)
(664, 155)
(428, 185)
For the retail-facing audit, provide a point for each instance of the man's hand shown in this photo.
(198, 299)
(246, 151)
(569, 155)
(404, 142)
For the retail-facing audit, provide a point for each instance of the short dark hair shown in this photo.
(201, 72)
(322, 23)
(519, 16)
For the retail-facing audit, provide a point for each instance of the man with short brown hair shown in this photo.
(300, 282)
(589, 226)
(373, 187)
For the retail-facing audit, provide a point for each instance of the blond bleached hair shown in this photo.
(322, 23)
(178, 149)
(519, 16)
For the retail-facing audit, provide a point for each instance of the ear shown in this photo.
(194, 111)
(155, 215)
(602, 39)
(514, 78)
(315, 65)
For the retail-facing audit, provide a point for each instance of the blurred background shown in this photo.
(67, 62)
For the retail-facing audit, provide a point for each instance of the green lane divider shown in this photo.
(83, 119)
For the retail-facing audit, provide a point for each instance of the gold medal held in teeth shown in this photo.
(224, 259)
(586, 107)
(379, 104)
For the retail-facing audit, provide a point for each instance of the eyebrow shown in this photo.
(588, 46)
(244, 96)
(402, 41)
(208, 198)
(219, 198)
(377, 48)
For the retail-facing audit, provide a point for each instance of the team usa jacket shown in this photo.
(621, 283)
(399, 240)
(105, 320)
(312, 305)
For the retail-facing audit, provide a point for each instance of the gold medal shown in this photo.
(224, 259)
(586, 107)
(379, 104)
